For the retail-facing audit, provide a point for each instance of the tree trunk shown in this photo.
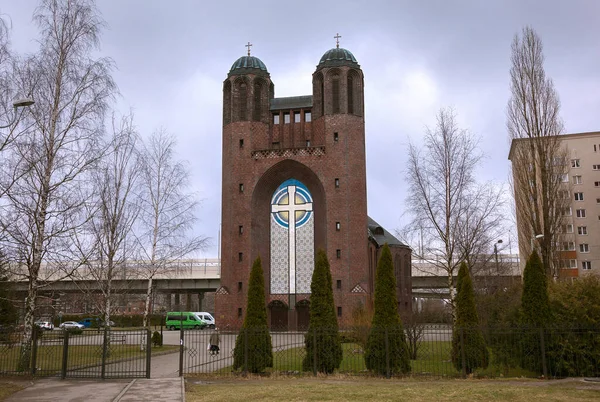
(148, 298)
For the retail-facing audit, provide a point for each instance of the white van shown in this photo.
(207, 318)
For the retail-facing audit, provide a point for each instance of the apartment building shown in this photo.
(579, 248)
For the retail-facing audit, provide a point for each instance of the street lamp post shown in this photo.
(25, 102)
(539, 236)
(496, 256)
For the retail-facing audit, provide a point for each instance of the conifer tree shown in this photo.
(467, 326)
(323, 326)
(386, 324)
(254, 336)
(535, 305)
(535, 312)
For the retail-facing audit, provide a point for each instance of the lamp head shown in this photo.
(23, 102)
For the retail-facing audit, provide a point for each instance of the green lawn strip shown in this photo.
(364, 389)
(433, 359)
(49, 357)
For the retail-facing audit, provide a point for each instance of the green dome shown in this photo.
(248, 65)
(338, 57)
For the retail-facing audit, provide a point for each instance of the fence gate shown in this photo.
(94, 353)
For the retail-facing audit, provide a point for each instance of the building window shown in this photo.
(594, 147)
(580, 213)
(339, 311)
(336, 137)
(575, 163)
(338, 226)
(307, 143)
(597, 184)
(566, 211)
(286, 118)
(275, 145)
(564, 194)
(240, 257)
(568, 246)
(241, 187)
(582, 230)
(564, 177)
(337, 183)
(567, 228)
(307, 117)
(584, 248)
(338, 253)
(241, 143)
(578, 196)
(597, 200)
(571, 264)
(586, 265)
(241, 229)
(276, 119)
(577, 180)
(239, 286)
(296, 117)
(239, 312)
(338, 284)
(596, 167)
(335, 94)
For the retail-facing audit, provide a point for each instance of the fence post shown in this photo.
(181, 351)
(104, 351)
(387, 355)
(34, 341)
(245, 373)
(148, 352)
(543, 351)
(314, 351)
(462, 352)
(65, 356)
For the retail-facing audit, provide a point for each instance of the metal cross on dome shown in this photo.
(337, 40)
(248, 46)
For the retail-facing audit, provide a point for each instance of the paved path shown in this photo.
(161, 389)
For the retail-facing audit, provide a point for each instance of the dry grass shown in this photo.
(362, 389)
(9, 387)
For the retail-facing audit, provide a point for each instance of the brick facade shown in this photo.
(319, 140)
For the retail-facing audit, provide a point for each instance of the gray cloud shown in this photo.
(416, 56)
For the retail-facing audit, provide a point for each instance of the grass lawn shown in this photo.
(49, 357)
(433, 360)
(8, 387)
(366, 389)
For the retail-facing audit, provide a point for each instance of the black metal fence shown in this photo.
(90, 353)
(515, 352)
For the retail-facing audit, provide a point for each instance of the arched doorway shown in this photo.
(303, 313)
(279, 315)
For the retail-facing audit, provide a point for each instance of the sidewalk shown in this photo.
(165, 385)
(159, 389)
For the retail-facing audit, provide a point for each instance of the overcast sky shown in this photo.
(417, 57)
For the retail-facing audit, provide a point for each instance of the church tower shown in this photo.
(294, 181)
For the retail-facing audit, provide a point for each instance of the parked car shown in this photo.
(187, 320)
(45, 325)
(207, 318)
(71, 325)
(111, 323)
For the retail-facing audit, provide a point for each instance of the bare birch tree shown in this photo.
(116, 184)
(167, 213)
(539, 163)
(450, 212)
(45, 206)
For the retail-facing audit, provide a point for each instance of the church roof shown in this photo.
(382, 236)
(338, 57)
(248, 65)
(292, 102)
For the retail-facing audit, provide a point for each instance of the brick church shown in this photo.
(294, 181)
